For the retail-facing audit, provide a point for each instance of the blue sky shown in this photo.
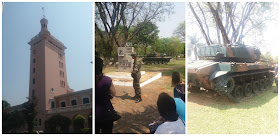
(71, 23)
(172, 21)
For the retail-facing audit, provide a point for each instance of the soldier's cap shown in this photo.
(133, 55)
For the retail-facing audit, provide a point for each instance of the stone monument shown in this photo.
(124, 59)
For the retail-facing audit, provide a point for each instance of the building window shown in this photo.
(60, 55)
(40, 122)
(61, 73)
(33, 80)
(85, 100)
(34, 60)
(34, 51)
(33, 92)
(62, 104)
(73, 102)
(62, 83)
(60, 64)
(52, 104)
(36, 122)
(33, 70)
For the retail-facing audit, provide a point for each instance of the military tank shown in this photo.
(234, 71)
(153, 58)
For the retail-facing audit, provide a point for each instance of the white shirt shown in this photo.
(173, 127)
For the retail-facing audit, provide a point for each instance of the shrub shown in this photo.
(57, 124)
(78, 123)
(87, 131)
(33, 132)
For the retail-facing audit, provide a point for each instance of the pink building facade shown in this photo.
(48, 80)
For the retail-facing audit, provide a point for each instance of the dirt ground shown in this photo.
(137, 116)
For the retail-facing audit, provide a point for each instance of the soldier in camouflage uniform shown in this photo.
(136, 75)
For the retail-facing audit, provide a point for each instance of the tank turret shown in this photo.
(230, 53)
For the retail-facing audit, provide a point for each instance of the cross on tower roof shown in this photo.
(43, 8)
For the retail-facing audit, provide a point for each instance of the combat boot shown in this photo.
(138, 100)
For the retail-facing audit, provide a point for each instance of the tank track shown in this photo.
(232, 86)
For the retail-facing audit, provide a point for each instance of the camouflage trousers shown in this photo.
(136, 84)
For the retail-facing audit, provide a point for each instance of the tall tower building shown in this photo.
(48, 76)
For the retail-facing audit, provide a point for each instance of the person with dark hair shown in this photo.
(179, 87)
(104, 91)
(172, 124)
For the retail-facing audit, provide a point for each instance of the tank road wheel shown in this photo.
(230, 84)
(247, 89)
(261, 85)
(256, 87)
(266, 81)
(237, 93)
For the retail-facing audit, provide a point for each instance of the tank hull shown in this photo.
(156, 60)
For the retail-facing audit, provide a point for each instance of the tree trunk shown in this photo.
(220, 24)
(204, 19)
(200, 24)
(145, 49)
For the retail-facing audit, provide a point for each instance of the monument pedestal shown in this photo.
(125, 79)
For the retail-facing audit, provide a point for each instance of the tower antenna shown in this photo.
(43, 8)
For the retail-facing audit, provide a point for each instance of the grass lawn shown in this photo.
(257, 115)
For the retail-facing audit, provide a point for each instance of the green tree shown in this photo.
(5, 104)
(174, 47)
(6, 127)
(115, 21)
(30, 112)
(268, 57)
(161, 45)
(147, 36)
(78, 123)
(180, 32)
(57, 124)
(16, 121)
(11, 121)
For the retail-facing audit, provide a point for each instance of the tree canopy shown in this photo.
(180, 32)
(117, 23)
(231, 21)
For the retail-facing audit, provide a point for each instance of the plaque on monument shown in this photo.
(125, 61)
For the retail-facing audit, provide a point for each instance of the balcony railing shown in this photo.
(70, 108)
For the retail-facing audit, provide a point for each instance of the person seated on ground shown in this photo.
(179, 86)
(169, 121)
(104, 110)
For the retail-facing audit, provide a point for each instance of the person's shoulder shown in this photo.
(106, 78)
(182, 85)
(163, 129)
(174, 127)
